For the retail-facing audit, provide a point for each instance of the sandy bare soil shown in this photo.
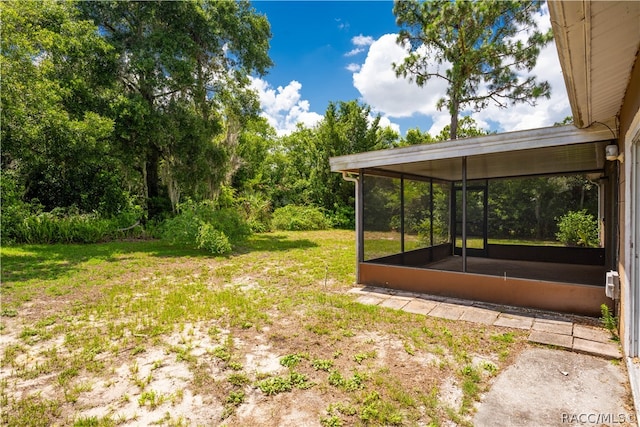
(181, 380)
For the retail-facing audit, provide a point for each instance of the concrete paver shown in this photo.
(369, 299)
(513, 321)
(395, 302)
(544, 386)
(458, 301)
(550, 338)
(404, 294)
(591, 334)
(420, 306)
(447, 311)
(553, 326)
(608, 350)
(480, 315)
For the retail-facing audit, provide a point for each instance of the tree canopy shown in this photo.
(105, 99)
(476, 47)
(55, 81)
(182, 67)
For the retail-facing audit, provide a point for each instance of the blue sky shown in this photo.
(327, 51)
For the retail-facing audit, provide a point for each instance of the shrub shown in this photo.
(343, 217)
(212, 240)
(14, 209)
(24, 222)
(257, 212)
(294, 217)
(63, 227)
(578, 228)
(202, 226)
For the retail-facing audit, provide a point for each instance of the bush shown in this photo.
(257, 212)
(294, 217)
(212, 240)
(201, 225)
(343, 217)
(14, 209)
(70, 226)
(578, 228)
(24, 222)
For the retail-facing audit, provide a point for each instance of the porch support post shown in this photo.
(485, 224)
(402, 214)
(359, 215)
(359, 222)
(431, 213)
(464, 214)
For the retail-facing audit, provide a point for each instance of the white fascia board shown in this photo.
(468, 147)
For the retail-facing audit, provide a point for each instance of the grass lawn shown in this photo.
(141, 333)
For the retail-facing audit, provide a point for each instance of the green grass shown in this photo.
(83, 314)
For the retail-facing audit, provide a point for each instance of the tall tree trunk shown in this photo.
(455, 110)
(153, 177)
(155, 205)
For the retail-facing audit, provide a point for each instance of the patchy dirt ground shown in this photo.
(188, 377)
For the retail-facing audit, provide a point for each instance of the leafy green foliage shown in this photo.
(292, 218)
(275, 385)
(322, 364)
(609, 321)
(70, 226)
(578, 228)
(331, 421)
(57, 75)
(257, 211)
(95, 109)
(356, 382)
(203, 226)
(294, 169)
(212, 240)
(184, 88)
(291, 360)
(479, 40)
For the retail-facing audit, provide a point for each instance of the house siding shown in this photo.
(628, 112)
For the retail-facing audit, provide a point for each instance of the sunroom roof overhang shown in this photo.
(552, 150)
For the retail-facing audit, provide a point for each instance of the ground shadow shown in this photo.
(49, 262)
(274, 242)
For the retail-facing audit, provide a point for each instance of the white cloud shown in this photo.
(354, 52)
(362, 40)
(342, 25)
(396, 97)
(353, 67)
(283, 107)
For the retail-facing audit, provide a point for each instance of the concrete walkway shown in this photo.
(574, 333)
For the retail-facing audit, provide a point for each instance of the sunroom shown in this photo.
(428, 219)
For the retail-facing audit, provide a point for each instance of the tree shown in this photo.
(56, 78)
(476, 47)
(294, 169)
(467, 127)
(182, 66)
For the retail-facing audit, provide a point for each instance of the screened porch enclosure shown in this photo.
(477, 218)
(418, 222)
